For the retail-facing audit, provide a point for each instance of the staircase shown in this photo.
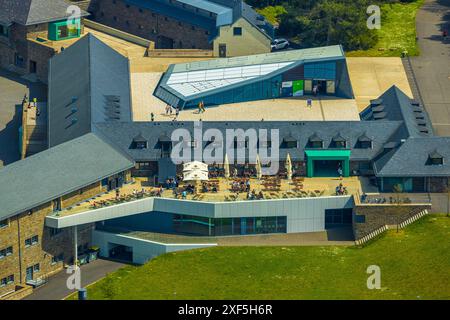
(384, 228)
(412, 80)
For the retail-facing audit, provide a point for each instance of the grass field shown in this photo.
(397, 33)
(415, 264)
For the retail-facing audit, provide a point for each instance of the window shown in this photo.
(289, 144)
(360, 218)
(4, 223)
(237, 31)
(54, 231)
(4, 31)
(31, 241)
(36, 267)
(316, 144)
(19, 60)
(7, 280)
(6, 252)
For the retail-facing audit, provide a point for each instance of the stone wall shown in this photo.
(149, 25)
(375, 216)
(439, 184)
(50, 244)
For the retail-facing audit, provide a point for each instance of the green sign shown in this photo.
(298, 88)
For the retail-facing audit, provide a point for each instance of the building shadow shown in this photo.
(344, 233)
(9, 139)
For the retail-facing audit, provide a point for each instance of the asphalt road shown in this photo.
(12, 90)
(56, 288)
(432, 67)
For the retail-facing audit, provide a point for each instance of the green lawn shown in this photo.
(397, 33)
(415, 264)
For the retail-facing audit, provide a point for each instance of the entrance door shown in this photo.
(29, 274)
(222, 50)
(33, 66)
(164, 43)
(327, 168)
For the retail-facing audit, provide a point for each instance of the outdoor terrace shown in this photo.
(225, 190)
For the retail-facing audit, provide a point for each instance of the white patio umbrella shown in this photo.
(258, 167)
(195, 176)
(288, 166)
(226, 167)
(195, 165)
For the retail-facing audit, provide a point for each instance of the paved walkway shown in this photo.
(12, 90)
(432, 67)
(56, 288)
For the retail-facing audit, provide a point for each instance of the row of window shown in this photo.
(186, 224)
(268, 144)
(7, 281)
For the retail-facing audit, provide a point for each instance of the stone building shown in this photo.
(228, 27)
(32, 31)
(56, 179)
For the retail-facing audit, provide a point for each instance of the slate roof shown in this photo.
(30, 12)
(52, 173)
(89, 82)
(411, 158)
(123, 134)
(395, 105)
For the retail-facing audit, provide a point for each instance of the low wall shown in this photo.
(143, 250)
(18, 294)
(119, 34)
(303, 214)
(180, 53)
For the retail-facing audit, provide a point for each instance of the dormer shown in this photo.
(339, 142)
(139, 142)
(364, 142)
(315, 142)
(435, 158)
(289, 142)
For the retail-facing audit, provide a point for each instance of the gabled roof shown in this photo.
(89, 82)
(30, 12)
(57, 171)
(411, 157)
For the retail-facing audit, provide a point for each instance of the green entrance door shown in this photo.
(327, 161)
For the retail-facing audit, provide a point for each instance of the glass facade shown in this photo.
(320, 71)
(194, 225)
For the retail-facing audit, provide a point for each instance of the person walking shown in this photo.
(340, 173)
(152, 117)
(309, 103)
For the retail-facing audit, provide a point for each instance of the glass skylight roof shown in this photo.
(195, 82)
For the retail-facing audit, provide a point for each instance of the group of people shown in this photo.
(207, 187)
(254, 196)
(169, 112)
(341, 190)
(242, 186)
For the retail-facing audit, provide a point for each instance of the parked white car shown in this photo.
(280, 44)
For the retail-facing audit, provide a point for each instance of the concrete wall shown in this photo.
(143, 250)
(303, 214)
(252, 41)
